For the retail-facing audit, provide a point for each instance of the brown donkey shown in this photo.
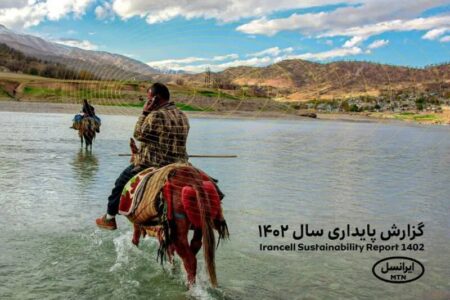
(86, 131)
(192, 203)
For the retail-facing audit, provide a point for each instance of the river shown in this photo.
(288, 172)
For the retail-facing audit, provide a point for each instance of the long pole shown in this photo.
(198, 155)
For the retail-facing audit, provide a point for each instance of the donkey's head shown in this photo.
(134, 149)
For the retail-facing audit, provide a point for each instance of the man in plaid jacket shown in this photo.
(162, 130)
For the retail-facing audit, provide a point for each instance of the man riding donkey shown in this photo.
(188, 199)
(162, 130)
(88, 111)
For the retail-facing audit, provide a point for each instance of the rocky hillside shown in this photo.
(300, 80)
(102, 64)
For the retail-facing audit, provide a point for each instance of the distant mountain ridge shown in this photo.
(103, 64)
(305, 80)
(12, 60)
(294, 79)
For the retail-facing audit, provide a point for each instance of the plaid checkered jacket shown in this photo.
(163, 134)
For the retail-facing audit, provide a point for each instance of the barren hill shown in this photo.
(300, 80)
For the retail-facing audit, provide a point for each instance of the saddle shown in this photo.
(147, 194)
(78, 118)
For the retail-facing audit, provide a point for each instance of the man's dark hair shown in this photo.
(160, 90)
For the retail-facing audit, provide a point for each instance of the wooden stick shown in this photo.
(213, 156)
(198, 155)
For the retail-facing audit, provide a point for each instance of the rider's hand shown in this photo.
(147, 107)
(133, 147)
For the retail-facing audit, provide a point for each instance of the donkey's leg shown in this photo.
(196, 241)
(136, 234)
(81, 138)
(184, 251)
(88, 141)
(170, 254)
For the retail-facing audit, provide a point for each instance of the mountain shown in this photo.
(12, 60)
(102, 64)
(286, 80)
(305, 80)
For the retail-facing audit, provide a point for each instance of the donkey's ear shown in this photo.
(133, 147)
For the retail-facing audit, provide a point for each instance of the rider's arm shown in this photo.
(148, 127)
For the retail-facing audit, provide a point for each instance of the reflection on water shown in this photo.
(288, 172)
(85, 166)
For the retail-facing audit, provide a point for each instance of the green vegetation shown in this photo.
(16, 61)
(216, 94)
(123, 104)
(78, 93)
(187, 107)
(354, 108)
(420, 103)
(182, 106)
(4, 94)
(408, 116)
(41, 91)
(426, 118)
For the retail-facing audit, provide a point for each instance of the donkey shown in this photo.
(87, 131)
(193, 203)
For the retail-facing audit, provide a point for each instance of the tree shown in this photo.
(34, 71)
(420, 103)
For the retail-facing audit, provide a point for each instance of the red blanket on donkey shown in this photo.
(147, 202)
(142, 195)
(128, 194)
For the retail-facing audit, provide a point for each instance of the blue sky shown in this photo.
(191, 35)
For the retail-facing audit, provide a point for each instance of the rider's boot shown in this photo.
(105, 223)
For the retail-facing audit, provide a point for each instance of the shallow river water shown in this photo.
(321, 173)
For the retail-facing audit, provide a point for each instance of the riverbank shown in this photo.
(426, 118)
(45, 107)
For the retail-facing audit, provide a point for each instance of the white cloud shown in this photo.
(288, 50)
(23, 14)
(366, 12)
(174, 64)
(222, 10)
(185, 63)
(369, 18)
(13, 3)
(354, 41)
(394, 25)
(84, 44)
(166, 62)
(252, 62)
(225, 57)
(445, 39)
(274, 51)
(378, 44)
(325, 55)
(435, 33)
(18, 18)
(104, 12)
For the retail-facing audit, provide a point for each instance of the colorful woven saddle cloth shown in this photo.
(141, 198)
(126, 206)
(78, 119)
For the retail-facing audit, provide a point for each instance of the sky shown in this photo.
(192, 35)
